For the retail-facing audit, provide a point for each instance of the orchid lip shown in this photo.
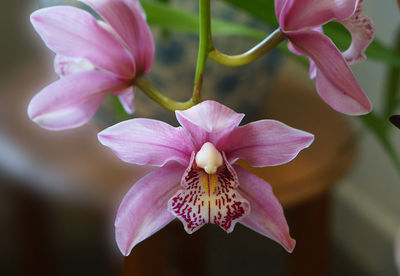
(209, 198)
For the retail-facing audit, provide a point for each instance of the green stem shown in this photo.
(256, 52)
(205, 46)
(147, 88)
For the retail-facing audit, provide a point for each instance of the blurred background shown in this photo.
(60, 191)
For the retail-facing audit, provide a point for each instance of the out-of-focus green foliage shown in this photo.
(378, 122)
(174, 19)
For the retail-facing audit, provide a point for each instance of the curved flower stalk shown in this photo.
(93, 58)
(301, 21)
(197, 181)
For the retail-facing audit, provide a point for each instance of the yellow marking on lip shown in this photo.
(213, 181)
(209, 182)
(204, 179)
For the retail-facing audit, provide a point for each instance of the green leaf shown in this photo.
(260, 9)
(173, 19)
(119, 110)
(167, 17)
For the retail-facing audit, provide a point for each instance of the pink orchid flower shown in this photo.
(197, 182)
(301, 21)
(94, 58)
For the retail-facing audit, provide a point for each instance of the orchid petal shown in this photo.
(336, 83)
(128, 22)
(265, 143)
(147, 142)
(279, 4)
(75, 33)
(335, 97)
(210, 116)
(362, 32)
(312, 70)
(135, 4)
(143, 210)
(209, 198)
(126, 98)
(266, 216)
(71, 101)
(206, 119)
(65, 66)
(300, 14)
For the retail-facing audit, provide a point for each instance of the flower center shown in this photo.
(209, 158)
(208, 193)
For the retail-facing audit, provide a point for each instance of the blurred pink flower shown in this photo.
(301, 21)
(93, 58)
(201, 185)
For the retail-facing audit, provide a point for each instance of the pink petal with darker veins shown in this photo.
(265, 143)
(312, 72)
(148, 142)
(75, 33)
(135, 4)
(300, 14)
(279, 4)
(143, 210)
(71, 101)
(266, 216)
(336, 83)
(128, 22)
(207, 121)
